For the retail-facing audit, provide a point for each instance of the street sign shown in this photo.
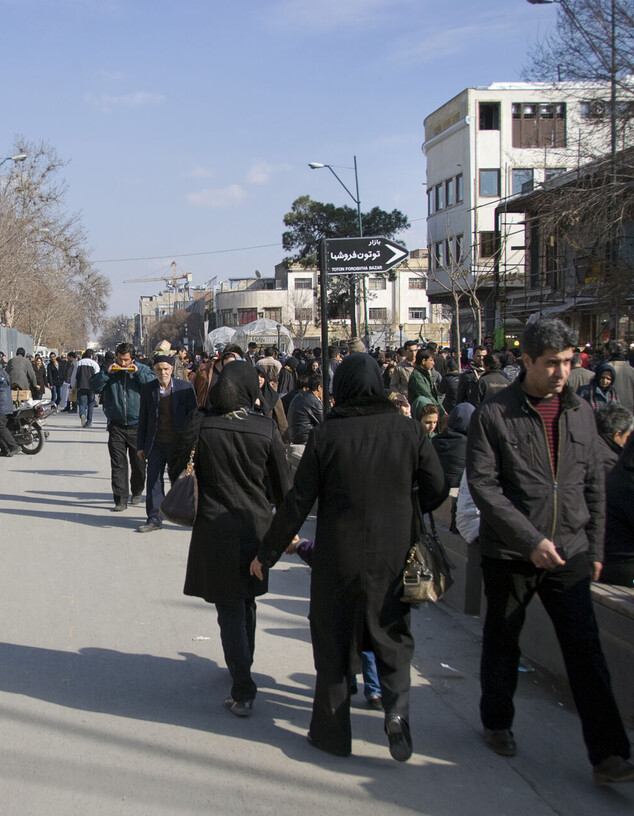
(359, 256)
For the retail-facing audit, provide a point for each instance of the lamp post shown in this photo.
(19, 158)
(357, 201)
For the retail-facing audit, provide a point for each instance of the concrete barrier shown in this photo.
(613, 607)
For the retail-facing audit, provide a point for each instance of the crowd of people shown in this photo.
(531, 440)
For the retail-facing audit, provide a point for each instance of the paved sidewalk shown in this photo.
(112, 681)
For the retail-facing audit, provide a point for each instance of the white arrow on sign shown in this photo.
(398, 256)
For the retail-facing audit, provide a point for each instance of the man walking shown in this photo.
(165, 405)
(468, 383)
(121, 386)
(20, 371)
(54, 377)
(7, 443)
(532, 468)
(403, 370)
(85, 369)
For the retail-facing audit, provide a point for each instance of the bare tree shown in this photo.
(300, 305)
(117, 329)
(48, 286)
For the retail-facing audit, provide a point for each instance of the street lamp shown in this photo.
(19, 158)
(357, 201)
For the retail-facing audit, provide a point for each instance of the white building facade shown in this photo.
(485, 146)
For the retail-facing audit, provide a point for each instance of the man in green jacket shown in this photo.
(121, 386)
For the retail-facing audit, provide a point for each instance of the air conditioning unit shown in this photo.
(598, 108)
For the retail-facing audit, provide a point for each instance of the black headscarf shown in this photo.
(268, 394)
(358, 388)
(237, 387)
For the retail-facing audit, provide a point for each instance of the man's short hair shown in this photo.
(614, 418)
(545, 333)
(20, 352)
(88, 354)
(253, 345)
(314, 381)
(269, 351)
(480, 348)
(492, 361)
(617, 349)
(125, 348)
(576, 359)
(72, 354)
(234, 348)
(422, 354)
(451, 365)
(316, 352)
(333, 351)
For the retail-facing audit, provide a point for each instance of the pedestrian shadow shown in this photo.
(103, 520)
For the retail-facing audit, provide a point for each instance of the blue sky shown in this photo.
(188, 125)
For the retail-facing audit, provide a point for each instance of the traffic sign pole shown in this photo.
(323, 291)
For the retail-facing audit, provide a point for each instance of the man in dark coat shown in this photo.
(238, 452)
(364, 449)
(20, 371)
(165, 405)
(7, 442)
(532, 456)
(492, 380)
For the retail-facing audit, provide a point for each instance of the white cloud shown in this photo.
(330, 14)
(137, 99)
(218, 199)
(200, 172)
(261, 172)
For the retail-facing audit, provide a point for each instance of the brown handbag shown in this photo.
(427, 572)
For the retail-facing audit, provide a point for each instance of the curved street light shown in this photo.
(19, 158)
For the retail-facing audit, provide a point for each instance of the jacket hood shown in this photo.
(460, 416)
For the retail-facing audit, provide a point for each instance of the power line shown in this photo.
(185, 254)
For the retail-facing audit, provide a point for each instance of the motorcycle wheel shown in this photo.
(36, 442)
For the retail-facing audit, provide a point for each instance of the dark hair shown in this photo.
(20, 352)
(480, 348)
(316, 352)
(234, 349)
(614, 418)
(451, 364)
(422, 354)
(547, 333)
(616, 349)
(333, 351)
(269, 351)
(88, 354)
(72, 354)
(125, 348)
(314, 381)
(576, 359)
(430, 408)
(303, 382)
(433, 347)
(492, 361)
(409, 344)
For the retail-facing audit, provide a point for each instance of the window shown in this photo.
(459, 243)
(374, 284)
(440, 255)
(227, 317)
(459, 188)
(539, 124)
(449, 200)
(440, 197)
(416, 283)
(304, 315)
(303, 283)
(417, 313)
(273, 314)
(522, 180)
(551, 172)
(378, 314)
(490, 183)
(489, 115)
(487, 244)
(430, 201)
(247, 316)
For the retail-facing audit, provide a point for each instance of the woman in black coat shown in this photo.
(364, 458)
(237, 449)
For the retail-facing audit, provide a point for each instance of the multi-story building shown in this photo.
(395, 306)
(485, 146)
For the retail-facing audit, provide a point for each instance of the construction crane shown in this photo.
(172, 279)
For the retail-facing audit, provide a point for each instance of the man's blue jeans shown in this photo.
(86, 403)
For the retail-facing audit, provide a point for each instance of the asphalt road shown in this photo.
(112, 681)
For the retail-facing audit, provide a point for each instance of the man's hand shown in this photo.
(595, 570)
(256, 569)
(545, 556)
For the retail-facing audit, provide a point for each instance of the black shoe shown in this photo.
(500, 740)
(613, 769)
(119, 507)
(375, 703)
(241, 708)
(148, 528)
(398, 737)
(136, 499)
(13, 452)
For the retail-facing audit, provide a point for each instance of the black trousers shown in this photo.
(121, 447)
(7, 442)
(565, 593)
(237, 633)
(393, 647)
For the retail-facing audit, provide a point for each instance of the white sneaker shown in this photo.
(83, 421)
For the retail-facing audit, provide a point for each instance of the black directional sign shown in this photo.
(358, 256)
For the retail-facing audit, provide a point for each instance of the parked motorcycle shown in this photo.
(26, 424)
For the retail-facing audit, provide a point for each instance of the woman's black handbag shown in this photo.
(427, 573)
(180, 505)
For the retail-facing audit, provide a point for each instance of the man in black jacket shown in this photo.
(532, 456)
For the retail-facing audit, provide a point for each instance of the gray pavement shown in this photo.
(112, 681)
